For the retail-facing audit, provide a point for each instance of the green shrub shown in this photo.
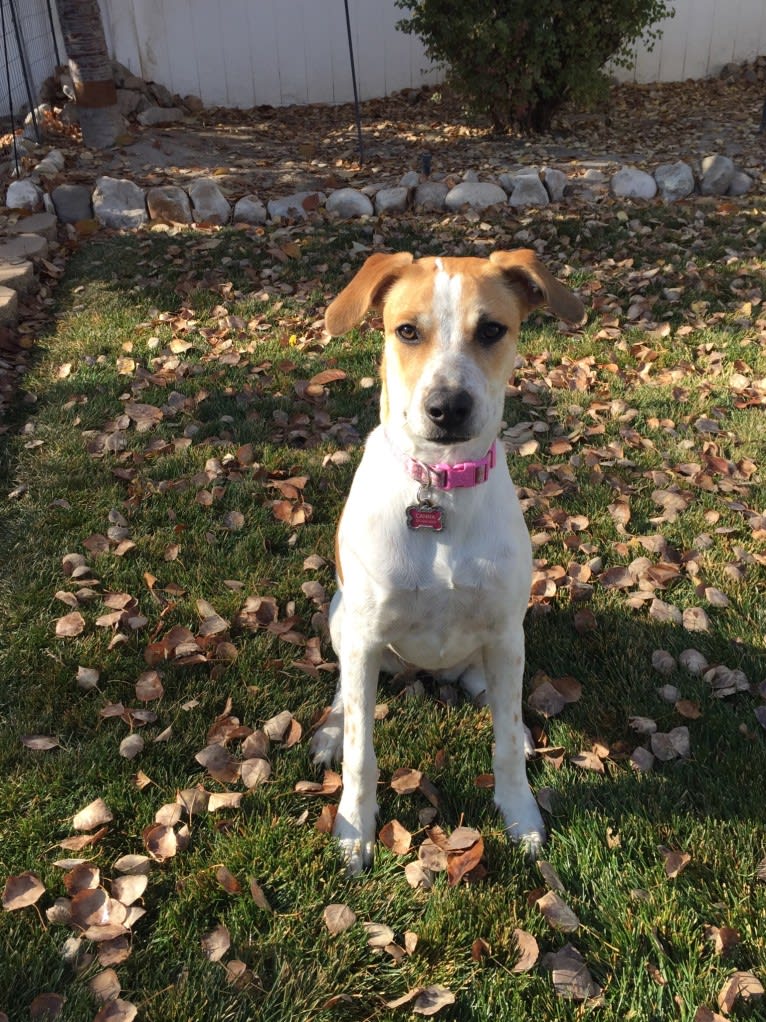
(518, 61)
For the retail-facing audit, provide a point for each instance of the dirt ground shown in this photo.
(274, 151)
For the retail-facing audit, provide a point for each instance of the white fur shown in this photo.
(451, 602)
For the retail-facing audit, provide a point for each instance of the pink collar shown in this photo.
(450, 477)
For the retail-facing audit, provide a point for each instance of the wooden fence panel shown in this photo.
(247, 52)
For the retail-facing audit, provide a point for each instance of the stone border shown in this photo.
(121, 204)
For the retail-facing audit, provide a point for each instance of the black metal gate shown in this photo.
(30, 54)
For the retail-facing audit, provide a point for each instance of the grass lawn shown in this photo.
(172, 440)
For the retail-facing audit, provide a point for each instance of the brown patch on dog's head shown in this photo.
(365, 291)
(536, 285)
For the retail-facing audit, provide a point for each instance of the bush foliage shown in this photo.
(518, 61)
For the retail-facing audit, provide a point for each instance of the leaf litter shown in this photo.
(204, 644)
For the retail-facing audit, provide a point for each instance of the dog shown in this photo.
(433, 556)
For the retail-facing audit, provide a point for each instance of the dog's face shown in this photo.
(451, 327)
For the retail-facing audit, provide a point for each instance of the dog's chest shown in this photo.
(435, 609)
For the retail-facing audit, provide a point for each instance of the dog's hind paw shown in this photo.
(356, 839)
(525, 826)
(327, 744)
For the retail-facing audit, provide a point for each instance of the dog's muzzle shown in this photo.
(450, 413)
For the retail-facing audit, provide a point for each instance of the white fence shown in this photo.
(247, 52)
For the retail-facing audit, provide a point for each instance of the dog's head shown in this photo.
(451, 327)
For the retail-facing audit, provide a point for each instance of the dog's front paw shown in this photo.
(354, 830)
(327, 743)
(524, 824)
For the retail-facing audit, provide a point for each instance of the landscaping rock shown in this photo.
(23, 247)
(740, 183)
(162, 95)
(43, 224)
(119, 203)
(250, 210)
(42, 114)
(24, 194)
(18, 276)
(169, 202)
(209, 204)
(295, 206)
(476, 194)
(674, 180)
(129, 101)
(154, 115)
(431, 195)
(529, 191)
(72, 203)
(391, 200)
(717, 172)
(56, 158)
(410, 180)
(45, 168)
(556, 183)
(348, 202)
(632, 183)
(9, 305)
(193, 103)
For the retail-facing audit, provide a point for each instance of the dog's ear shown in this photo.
(366, 291)
(537, 286)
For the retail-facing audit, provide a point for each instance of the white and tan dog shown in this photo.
(433, 556)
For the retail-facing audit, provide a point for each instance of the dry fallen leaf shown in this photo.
(378, 934)
(216, 943)
(46, 1007)
(117, 1010)
(338, 918)
(723, 938)
(395, 837)
(419, 875)
(227, 880)
(587, 760)
(558, 914)
(105, 986)
(40, 743)
(21, 891)
(405, 781)
(571, 976)
(675, 862)
(70, 625)
(528, 948)
(130, 887)
(259, 897)
(92, 816)
(708, 1015)
(432, 1000)
(740, 986)
(131, 746)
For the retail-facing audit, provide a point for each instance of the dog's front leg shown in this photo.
(504, 664)
(355, 822)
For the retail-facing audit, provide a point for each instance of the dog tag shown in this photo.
(425, 516)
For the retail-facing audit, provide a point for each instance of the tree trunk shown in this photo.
(91, 69)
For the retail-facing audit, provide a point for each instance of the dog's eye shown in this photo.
(407, 333)
(489, 332)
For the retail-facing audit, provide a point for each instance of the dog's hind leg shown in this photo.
(473, 681)
(504, 661)
(327, 743)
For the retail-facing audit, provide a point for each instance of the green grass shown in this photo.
(129, 298)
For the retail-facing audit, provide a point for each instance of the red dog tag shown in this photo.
(425, 516)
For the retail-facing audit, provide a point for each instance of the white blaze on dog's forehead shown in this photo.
(446, 307)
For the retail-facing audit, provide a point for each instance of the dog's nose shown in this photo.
(448, 409)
